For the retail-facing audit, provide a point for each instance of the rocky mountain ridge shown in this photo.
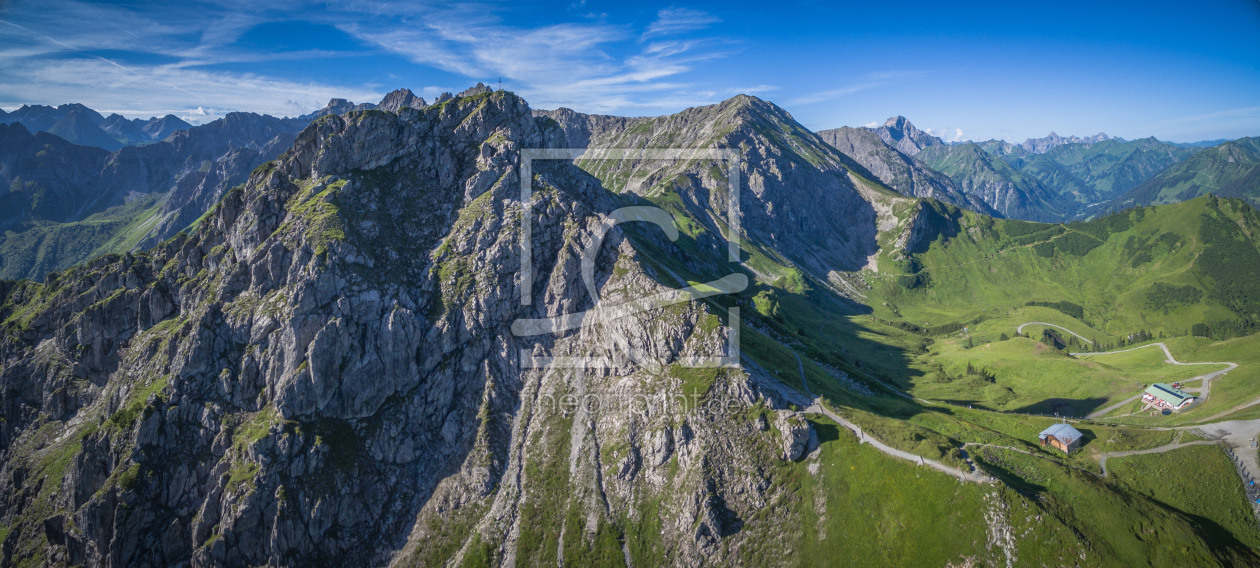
(224, 413)
(81, 125)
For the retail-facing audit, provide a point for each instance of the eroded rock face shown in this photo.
(325, 372)
(795, 433)
(399, 98)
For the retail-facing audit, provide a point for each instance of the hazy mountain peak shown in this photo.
(77, 126)
(901, 134)
(126, 130)
(160, 128)
(1052, 140)
(334, 106)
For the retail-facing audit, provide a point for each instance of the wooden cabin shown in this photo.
(1061, 436)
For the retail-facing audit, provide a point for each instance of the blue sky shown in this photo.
(1175, 70)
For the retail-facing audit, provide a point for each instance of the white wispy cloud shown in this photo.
(166, 59)
(753, 90)
(567, 64)
(867, 81)
(679, 20)
(110, 89)
(1218, 115)
(833, 94)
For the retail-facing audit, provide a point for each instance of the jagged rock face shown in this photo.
(901, 172)
(325, 373)
(397, 99)
(204, 162)
(580, 129)
(900, 134)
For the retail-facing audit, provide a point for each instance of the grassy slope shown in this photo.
(1002, 264)
(870, 510)
(984, 275)
(1198, 481)
(43, 247)
(1027, 376)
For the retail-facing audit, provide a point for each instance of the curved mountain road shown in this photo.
(1203, 390)
(1102, 458)
(1021, 327)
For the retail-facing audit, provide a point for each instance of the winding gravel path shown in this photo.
(814, 406)
(973, 476)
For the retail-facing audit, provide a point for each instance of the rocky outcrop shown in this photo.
(478, 89)
(794, 432)
(399, 98)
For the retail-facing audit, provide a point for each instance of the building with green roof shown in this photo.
(1163, 395)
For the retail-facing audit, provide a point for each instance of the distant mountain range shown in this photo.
(1047, 179)
(1052, 141)
(82, 125)
(1230, 169)
(110, 184)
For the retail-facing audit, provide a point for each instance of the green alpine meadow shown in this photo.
(466, 285)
